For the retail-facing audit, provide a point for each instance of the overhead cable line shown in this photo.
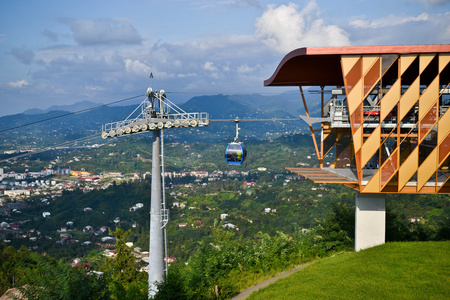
(251, 120)
(69, 114)
(171, 92)
(64, 144)
(96, 135)
(246, 93)
(134, 97)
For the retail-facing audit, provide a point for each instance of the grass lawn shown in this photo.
(417, 270)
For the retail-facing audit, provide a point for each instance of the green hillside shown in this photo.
(414, 270)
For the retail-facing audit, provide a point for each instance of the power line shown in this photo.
(114, 102)
(252, 120)
(69, 114)
(134, 97)
(246, 93)
(97, 135)
(168, 92)
(67, 143)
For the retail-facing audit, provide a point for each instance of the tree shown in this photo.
(329, 234)
(345, 217)
(125, 281)
(51, 279)
(8, 258)
(443, 233)
(173, 287)
(396, 228)
(96, 260)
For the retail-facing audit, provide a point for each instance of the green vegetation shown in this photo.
(216, 253)
(214, 266)
(418, 270)
(231, 263)
(126, 282)
(42, 277)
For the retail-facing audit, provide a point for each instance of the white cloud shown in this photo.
(92, 88)
(209, 66)
(285, 28)
(245, 68)
(431, 3)
(18, 84)
(243, 3)
(186, 75)
(88, 32)
(426, 28)
(92, 91)
(446, 27)
(232, 4)
(47, 55)
(388, 21)
(136, 67)
(60, 92)
(177, 63)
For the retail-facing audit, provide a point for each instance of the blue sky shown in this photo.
(55, 52)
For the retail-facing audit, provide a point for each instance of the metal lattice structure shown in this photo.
(156, 112)
(387, 123)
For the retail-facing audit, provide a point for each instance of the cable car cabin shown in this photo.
(235, 154)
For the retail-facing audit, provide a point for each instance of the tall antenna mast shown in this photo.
(155, 113)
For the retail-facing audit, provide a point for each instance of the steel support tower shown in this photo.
(156, 252)
(155, 113)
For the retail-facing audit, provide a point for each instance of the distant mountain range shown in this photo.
(67, 120)
(288, 102)
(70, 108)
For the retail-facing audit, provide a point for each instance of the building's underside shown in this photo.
(386, 126)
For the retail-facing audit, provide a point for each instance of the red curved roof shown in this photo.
(322, 66)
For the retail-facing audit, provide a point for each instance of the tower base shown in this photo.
(370, 220)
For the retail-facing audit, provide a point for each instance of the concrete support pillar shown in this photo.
(156, 255)
(370, 220)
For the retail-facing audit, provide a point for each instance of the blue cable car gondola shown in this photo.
(235, 153)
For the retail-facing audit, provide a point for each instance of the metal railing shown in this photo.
(154, 113)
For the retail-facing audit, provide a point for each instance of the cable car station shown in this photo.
(385, 127)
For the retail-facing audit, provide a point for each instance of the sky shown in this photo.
(55, 52)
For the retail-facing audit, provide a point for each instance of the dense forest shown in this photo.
(43, 277)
